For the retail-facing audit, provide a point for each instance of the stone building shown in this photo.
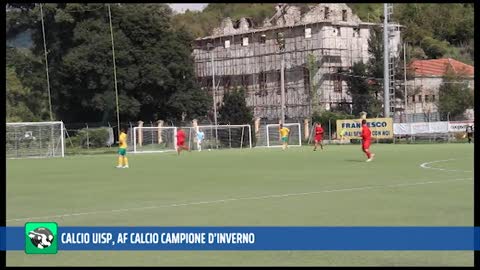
(427, 77)
(321, 46)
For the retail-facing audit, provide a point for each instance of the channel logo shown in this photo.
(41, 238)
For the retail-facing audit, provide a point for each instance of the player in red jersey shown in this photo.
(318, 136)
(181, 141)
(366, 140)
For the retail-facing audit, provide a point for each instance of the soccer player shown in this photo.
(318, 136)
(469, 133)
(284, 136)
(342, 134)
(181, 141)
(200, 136)
(366, 140)
(122, 150)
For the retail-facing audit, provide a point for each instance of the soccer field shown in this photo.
(405, 185)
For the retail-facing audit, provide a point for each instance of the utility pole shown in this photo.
(46, 64)
(386, 82)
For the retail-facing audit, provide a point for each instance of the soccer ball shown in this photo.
(209, 149)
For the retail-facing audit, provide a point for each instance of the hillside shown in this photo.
(432, 30)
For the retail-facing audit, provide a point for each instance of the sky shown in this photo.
(183, 6)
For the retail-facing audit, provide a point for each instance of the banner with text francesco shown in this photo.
(382, 128)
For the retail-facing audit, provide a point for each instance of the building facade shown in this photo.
(321, 46)
(426, 79)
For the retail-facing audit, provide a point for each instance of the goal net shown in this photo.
(154, 139)
(35, 140)
(164, 139)
(273, 135)
(219, 137)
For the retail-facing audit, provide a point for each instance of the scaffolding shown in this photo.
(252, 61)
(392, 57)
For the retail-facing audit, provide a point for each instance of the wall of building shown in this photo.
(335, 45)
(424, 93)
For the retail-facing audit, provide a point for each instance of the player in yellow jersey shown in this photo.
(122, 150)
(284, 136)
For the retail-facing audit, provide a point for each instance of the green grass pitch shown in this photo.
(333, 187)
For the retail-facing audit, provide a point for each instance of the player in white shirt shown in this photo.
(200, 136)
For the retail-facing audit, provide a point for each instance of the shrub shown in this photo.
(95, 137)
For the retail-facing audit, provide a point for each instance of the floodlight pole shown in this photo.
(281, 44)
(114, 69)
(405, 77)
(209, 45)
(282, 86)
(46, 64)
(386, 82)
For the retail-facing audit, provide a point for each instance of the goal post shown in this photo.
(164, 139)
(35, 139)
(154, 139)
(220, 136)
(273, 135)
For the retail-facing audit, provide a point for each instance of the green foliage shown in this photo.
(153, 62)
(16, 99)
(454, 97)
(91, 137)
(329, 119)
(437, 28)
(362, 93)
(368, 12)
(234, 110)
(434, 48)
(312, 67)
(415, 52)
(375, 49)
(201, 24)
(18, 20)
(153, 54)
(464, 53)
(26, 93)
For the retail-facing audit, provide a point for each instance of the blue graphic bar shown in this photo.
(254, 238)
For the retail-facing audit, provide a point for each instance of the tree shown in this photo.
(234, 110)
(359, 89)
(375, 49)
(434, 48)
(26, 90)
(312, 68)
(368, 12)
(154, 65)
(371, 90)
(202, 23)
(454, 96)
(20, 106)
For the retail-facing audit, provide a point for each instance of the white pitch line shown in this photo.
(237, 199)
(425, 166)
